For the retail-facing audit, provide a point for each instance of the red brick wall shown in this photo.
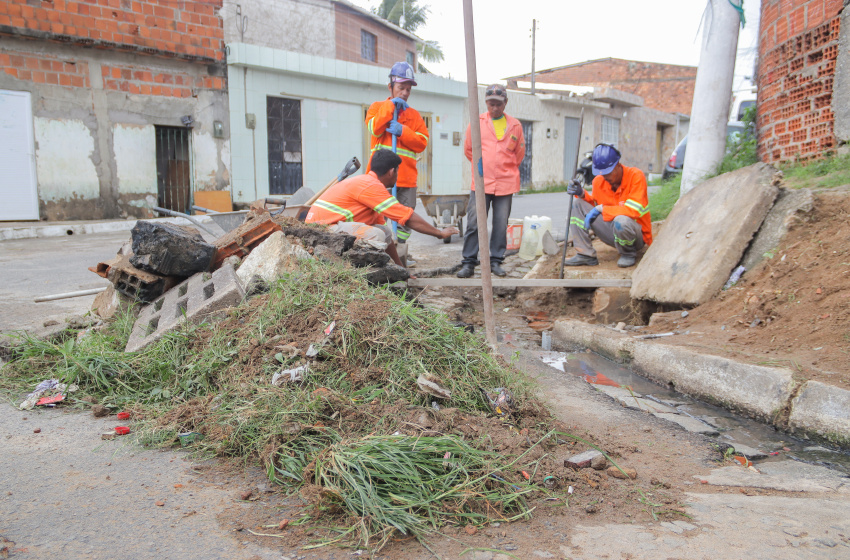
(64, 71)
(43, 69)
(184, 28)
(665, 87)
(392, 47)
(798, 46)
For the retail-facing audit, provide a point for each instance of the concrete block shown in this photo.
(823, 410)
(789, 208)
(271, 259)
(704, 237)
(582, 460)
(192, 300)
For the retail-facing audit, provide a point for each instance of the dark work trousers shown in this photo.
(498, 235)
(622, 233)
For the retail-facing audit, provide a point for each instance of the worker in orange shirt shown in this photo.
(360, 206)
(620, 199)
(408, 128)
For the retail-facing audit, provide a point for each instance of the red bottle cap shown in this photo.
(122, 430)
(123, 415)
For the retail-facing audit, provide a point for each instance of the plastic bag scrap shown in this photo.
(733, 279)
(500, 400)
(292, 375)
(48, 385)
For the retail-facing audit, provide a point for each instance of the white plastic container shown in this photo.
(530, 240)
(541, 224)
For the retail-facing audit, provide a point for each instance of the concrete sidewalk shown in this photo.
(29, 230)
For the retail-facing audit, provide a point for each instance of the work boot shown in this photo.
(497, 270)
(466, 271)
(582, 260)
(626, 261)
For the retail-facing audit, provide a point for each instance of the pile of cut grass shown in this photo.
(215, 379)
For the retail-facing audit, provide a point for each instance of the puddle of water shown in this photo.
(732, 429)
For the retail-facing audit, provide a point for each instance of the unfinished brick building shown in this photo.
(665, 87)
(798, 50)
(111, 106)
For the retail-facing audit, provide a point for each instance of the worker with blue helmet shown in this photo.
(616, 210)
(395, 117)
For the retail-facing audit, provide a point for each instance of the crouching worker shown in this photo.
(616, 210)
(360, 206)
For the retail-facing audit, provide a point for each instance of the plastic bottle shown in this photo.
(530, 240)
(542, 224)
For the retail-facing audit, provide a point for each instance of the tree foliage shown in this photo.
(414, 15)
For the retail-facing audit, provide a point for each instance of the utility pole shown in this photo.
(533, 37)
(712, 92)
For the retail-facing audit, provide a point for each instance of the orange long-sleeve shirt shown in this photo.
(500, 157)
(362, 198)
(630, 199)
(413, 139)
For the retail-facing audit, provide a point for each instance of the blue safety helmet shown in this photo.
(605, 159)
(402, 72)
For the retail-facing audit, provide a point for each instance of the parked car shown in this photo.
(677, 159)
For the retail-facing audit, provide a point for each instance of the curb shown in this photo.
(811, 409)
(79, 228)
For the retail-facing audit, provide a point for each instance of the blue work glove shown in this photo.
(394, 128)
(574, 188)
(400, 104)
(596, 211)
(480, 167)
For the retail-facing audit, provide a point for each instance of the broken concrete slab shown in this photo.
(361, 257)
(110, 302)
(192, 300)
(314, 235)
(169, 250)
(704, 237)
(270, 260)
(689, 423)
(787, 476)
(389, 274)
(824, 410)
(790, 207)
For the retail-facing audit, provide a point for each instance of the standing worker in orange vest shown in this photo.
(502, 149)
(620, 198)
(395, 117)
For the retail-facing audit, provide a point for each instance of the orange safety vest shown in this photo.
(500, 158)
(413, 139)
(362, 198)
(630, 199)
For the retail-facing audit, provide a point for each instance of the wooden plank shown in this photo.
(521, 283)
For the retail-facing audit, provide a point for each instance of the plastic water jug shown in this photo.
(541, 224)
(531, 238)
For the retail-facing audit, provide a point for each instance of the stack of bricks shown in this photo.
(798, 47)
(191, 30)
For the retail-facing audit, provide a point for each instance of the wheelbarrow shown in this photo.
(446, 210)
(229, 221)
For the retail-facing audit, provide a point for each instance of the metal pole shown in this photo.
(533, 43)
(570, 200)
(480, 204)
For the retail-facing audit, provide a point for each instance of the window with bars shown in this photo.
(610, 130)
(411, 59)
(368, 46)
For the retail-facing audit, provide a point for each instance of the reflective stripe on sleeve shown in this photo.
(636, 206)
(385, 205)
(347, 215)
(399, 151)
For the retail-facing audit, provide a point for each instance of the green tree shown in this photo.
(414, 16)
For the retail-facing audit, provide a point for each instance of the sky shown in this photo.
(570, 31)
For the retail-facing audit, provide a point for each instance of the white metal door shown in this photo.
(18, 188)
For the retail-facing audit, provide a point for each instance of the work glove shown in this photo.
(400, 104)
(574, 188)
(480, 167)
(592, 215)
(394, 128)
